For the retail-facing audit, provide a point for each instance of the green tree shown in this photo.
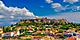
(43, 27)
(60, 31)
(64, 27)
(39, 34)
(28, 38)
(14, 29)
(28, 33)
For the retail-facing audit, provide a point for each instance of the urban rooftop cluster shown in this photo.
(41, 29)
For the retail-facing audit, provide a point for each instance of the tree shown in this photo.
(28, 38)
(7, 29)
(22, 30)
(43, 27)
(4, 29)
(14, 29)
(28, 33)
(35, 29)
(60, 31)
(41, 34)
(64, 27)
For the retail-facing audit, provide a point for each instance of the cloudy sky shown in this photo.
(11, 11)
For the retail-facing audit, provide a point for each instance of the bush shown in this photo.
(28, 38)
(60, 31)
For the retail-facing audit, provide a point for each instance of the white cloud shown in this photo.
(12, 17)
(13, 13)
(70, 16)
(56, 5)
(74, 8)
(13, 22)
(49, 1)
(42, 6)
(78, 7)
(14, 10)
(1, 16)
(71, 1)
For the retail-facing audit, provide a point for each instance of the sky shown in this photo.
(11, 11)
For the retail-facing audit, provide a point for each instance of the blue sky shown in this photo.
(39, 7)
(32, 5)
(11, 11)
